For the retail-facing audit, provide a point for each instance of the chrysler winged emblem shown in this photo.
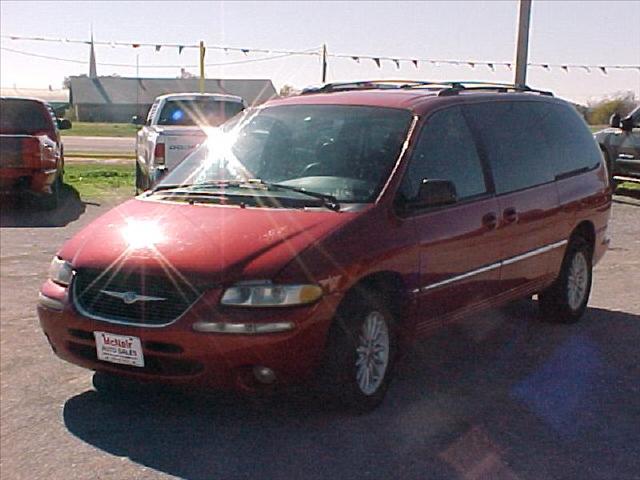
(132, 297)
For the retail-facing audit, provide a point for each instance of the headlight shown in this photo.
(269, 295)
(60, 271)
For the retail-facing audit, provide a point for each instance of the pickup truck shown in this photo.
(174, 127)
(620, 145)
(31, 152)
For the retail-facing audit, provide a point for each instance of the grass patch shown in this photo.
(78, 154)
(95, 180)
(632, 186)
(597, 128)
(91, 129)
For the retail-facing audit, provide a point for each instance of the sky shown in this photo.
(562, 32)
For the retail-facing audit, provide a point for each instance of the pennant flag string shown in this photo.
(397, 61)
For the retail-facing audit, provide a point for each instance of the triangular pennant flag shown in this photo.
(356, 59)
(490, 65)
(415, 63)
(245, 50)
(509, 66)
(603, 70)
(565, 68)
(377, 60)
(397, 62)
(546, 67)
(586, 68)
(135, 45)
(471, 64)
(158, 48)
(180, 48)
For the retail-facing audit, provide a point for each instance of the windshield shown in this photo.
(23, 117)
(343, 151)
(204, 111)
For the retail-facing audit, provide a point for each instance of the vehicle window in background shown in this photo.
(515, 142)
(22, 117)
(344, 151)
(206, 112)
(445, 151)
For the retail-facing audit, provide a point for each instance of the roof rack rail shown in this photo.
(444, 88)
(457, 87)
(370, 85)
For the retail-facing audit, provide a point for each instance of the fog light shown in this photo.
(264, 374)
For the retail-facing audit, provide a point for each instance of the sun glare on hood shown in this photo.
(142, 234)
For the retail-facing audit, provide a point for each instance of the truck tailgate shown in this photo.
(177, 147)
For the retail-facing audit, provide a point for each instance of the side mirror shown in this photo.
(63, 124)
(626, 124)
(136, 120)
(434, 193)
(614, 120)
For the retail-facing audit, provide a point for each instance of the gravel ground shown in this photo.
(500, 396)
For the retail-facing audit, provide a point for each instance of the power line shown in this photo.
(128, 65)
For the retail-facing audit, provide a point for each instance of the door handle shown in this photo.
(510, 215)
(490, 220)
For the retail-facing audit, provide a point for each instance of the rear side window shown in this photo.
(572, 148)
(445, 151)
(514, 142)
(23, 117)
(531, 143)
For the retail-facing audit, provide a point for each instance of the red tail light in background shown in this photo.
(31, 150)
(158, 154)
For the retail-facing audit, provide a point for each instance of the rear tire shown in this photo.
(52, 200)
(139, 188)
(360, 353)
(566, 300)
(607, 160)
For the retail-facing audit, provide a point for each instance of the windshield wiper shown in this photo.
(213, 183)
(328, 201)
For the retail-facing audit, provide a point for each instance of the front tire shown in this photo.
(360, 353)
(566, 300)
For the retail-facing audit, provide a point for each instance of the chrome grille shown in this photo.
(132, 297)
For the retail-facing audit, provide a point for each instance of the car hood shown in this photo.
(213, 243)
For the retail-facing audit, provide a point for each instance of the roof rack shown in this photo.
(445, 88)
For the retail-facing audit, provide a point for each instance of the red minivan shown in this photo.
(313, 238)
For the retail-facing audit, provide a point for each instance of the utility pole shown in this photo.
(202, 66)
(324, 63)
(522, 48)
(137, 84)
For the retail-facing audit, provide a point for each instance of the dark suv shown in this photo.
(315, 237)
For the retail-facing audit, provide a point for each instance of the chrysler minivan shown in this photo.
(314, 238)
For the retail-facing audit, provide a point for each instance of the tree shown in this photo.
(600, 110)
(288, 90)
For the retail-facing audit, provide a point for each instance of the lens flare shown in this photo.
(142, 234)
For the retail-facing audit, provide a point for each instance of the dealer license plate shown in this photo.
(123, 349)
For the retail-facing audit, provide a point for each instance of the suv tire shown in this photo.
(361, 352)
(566, 299)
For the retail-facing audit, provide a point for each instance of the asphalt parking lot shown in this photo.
(499, 396)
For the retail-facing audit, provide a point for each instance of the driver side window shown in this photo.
(445, 151)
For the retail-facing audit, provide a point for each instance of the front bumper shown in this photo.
(177, 354)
